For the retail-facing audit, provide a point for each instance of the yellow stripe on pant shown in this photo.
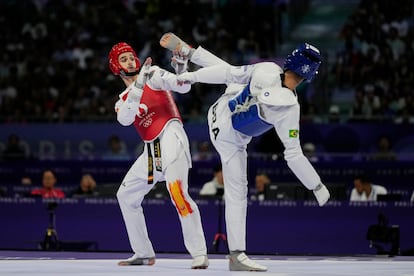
(182, 205)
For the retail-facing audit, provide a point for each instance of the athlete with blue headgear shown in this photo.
(258, 97)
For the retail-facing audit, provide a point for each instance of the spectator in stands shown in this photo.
(312, 115)
(406, 114)
(334, 115)
(357, 110)
(364, 190)
(87, 187)
(25, 189)
(309, 150)
(412, 196)
(372, 101)
(48, 190)
(117, 149)
(214, 187)
(384, 150)
(396, 43)
(14, 149)
(345, 61)
(26, 181)
(262, 181)
(203, 152)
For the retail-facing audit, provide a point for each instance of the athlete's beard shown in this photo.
(129, 74)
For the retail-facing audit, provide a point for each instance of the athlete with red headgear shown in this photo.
(147, 103)
(258, 97)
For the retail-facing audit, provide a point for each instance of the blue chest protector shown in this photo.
(247, 119)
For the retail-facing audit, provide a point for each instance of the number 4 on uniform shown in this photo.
(215, 131)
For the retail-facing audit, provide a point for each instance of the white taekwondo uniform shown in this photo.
(166, 156)
(249, 108)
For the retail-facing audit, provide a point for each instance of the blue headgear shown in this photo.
(304, 61)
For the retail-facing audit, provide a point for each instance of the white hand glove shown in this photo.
(136, 89)
(179, 63)
(143, 74)
(322, 194)
(186, 77)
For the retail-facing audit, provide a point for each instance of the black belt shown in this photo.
(158, 162)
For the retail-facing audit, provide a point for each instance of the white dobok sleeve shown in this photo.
(224, 74)
(287, 128)
(161, 79)
(208, 189)
(127, 109)
(354, 195)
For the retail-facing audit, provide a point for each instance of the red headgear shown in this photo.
(116, 50)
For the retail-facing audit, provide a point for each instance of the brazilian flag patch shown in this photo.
(293, 133)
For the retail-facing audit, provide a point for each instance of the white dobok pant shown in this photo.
(231, 146)
(176, 161)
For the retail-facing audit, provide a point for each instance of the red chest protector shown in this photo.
(155, 110)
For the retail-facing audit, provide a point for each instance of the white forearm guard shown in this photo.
(304, 171)
(128, 109)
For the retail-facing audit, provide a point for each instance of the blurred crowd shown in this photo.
(53, 58)
(375, 61)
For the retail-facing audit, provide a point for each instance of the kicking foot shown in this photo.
(137, 261)
(238, 261)
(322, 194)
(173, 43)
(200, 262)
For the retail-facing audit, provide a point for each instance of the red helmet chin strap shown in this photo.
(128, 74)
(114, 65)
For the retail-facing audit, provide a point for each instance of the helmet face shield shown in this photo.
(117, 50)
(304, 61)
